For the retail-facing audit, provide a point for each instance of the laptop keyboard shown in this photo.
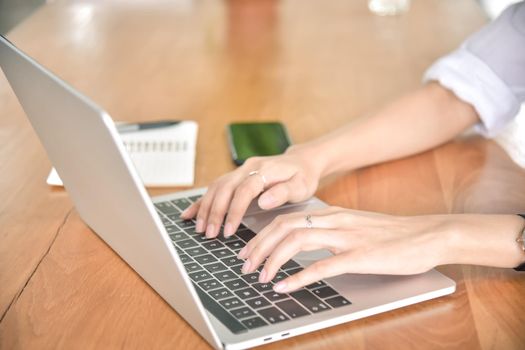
(238, 300)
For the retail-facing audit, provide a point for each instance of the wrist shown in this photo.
(311, 156)
(443, 235)
(488, 240)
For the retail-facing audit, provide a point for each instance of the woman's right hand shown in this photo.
(290, 177)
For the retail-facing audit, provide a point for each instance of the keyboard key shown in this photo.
(235, 245)
(221, 293)
(185, 258)
(290, 264)
(279, 276)
(243, 312)
(273, 296)
(196, 251)
(166, 221)
(205, 259)
(178, 236)
(166, 208)
(199, 237)
(192, 267)
(223, 239)
(251, 277)
(231, 303)
(294, 271)
(212, 245)
(292, 308)
(222, 253)
(218, 311)
(324, 292)
(186, 243)
(245, 234)
(232, 261)
(173, 217)
(195, 198)
(254, 322)
(181, 203)
(310, 301)
(316, 284)
(273, 315)
(262, 287)
(225, 276)
(247, 293)
(338, 301)
(200, 276)
(171, 229)
(258, 302)
(210, 284)
(215, 267)
(235, 284)
(185, 223)
(237, 269)
(191, 231)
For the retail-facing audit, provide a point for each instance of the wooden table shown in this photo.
(314, 65)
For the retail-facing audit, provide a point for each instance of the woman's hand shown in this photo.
(291, 177)
(361, 242)
(365, 242)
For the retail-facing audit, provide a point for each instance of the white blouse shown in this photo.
(488, 70)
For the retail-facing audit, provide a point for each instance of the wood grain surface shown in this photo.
(314, 65)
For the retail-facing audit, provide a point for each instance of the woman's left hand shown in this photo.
(362, 242)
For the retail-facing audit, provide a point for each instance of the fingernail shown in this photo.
(280, 287)
(200, 226)
(184, 214)
(246, 266)
(266, 200)
(242, 253)
(210, 231)
(262, 276)
(228, 230)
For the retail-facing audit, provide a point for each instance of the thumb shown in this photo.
(288, 191)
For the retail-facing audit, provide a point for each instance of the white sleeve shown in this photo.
(488, 70)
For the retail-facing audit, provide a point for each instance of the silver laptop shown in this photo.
(199, 278)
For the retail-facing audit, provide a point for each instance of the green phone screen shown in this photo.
(257, 139)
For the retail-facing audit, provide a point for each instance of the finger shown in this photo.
(289, 191)
(191, 211)
(218, 209)
(319, 270)
(272, 229)
(204, 208)
(268, 176)
(298, 241)
(285, 223)
(282, 184)
(251, 184)
(246, 191)
(267, 237)
(265, 241)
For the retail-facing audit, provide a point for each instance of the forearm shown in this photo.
(417, 122)
(488, 240)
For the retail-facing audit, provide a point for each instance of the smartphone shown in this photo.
(256, 139)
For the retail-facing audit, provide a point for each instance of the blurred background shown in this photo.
(257, 22)
(13, 12)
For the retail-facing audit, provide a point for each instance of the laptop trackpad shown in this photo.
(256, 219)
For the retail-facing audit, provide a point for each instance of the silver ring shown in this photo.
(309, 223)
(256, 172)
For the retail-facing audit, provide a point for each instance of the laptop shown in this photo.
(198, 277)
